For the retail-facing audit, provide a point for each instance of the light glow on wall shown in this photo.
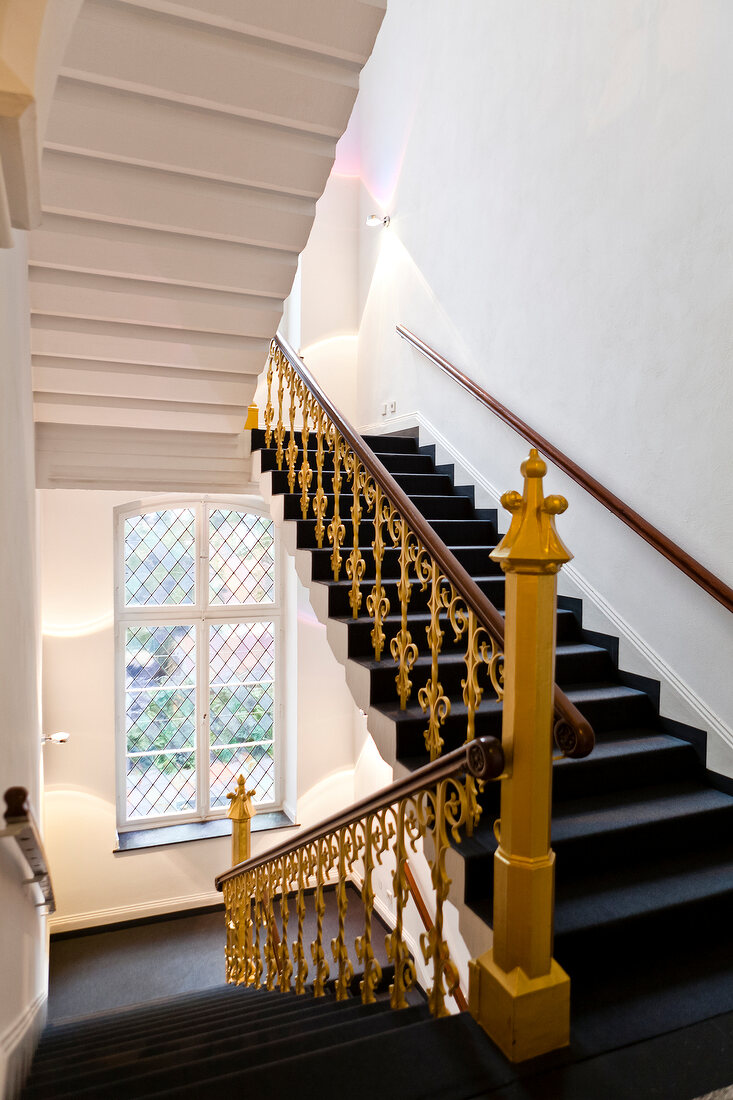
(77, 630)
(318, 345)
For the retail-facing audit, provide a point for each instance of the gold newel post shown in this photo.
(252, 415)
(241, 811)
(517, 991)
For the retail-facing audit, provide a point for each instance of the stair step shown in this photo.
(94, 1068)
(453, 532)
(475, 559)
(626, 759)
(378, 1019)
(87, 1028)
(404, 462)
(187, 1022)
(422, 482)
(423, 1060)
(437, 507)
(493, 586)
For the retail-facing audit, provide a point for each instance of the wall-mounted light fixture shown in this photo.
(378, 219)
(59, 738)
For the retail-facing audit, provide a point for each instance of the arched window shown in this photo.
(198, 630)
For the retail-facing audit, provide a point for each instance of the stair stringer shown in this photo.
(475, 934)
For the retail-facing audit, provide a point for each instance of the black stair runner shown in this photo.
(644, 845)
(235, 1041)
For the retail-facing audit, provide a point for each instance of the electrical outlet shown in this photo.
(384, 409)
(392, 408)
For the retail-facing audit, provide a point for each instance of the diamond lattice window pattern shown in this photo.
(160, 719)
(160, 558)
(241, 708)
(241, 558)
(166, 740)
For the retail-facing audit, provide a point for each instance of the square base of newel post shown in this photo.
(524, 1016)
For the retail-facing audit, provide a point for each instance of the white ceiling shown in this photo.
(187, 144)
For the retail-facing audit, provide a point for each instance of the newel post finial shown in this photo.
(532, 545)
(241, 811)
(517, 991)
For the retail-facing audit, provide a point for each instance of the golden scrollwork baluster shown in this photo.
(336, 530)
(377, 830)
(292, 452)
(232, 919)
(441, 810)
(269, 410)
(305, 474)
(431, 697)
(299, 959)
(257, 921)
(355, 564)
(402, 647)
(343, 844)
(377, 601)
(397, 950)
(320, 499)
(495, 661)
(282, 366)
(271, 944)
(285, 983)
(322, 860)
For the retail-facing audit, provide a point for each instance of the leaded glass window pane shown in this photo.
(160, 719)
(160, 558)
(241, 708)
(241, 557)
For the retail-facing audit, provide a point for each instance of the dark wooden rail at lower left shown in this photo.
(20, 824)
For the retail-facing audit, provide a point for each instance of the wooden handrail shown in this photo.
(458, 995)
(580, 739)
(697, 572)
(483, 758)
(21, 825)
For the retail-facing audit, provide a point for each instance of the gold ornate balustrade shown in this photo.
(299, 417)
(265, 897)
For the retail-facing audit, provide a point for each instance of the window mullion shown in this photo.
(202, 725)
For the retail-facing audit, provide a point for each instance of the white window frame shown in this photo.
(200, 615)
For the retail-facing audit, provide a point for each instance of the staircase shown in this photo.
(644, 844)
(264, 1044)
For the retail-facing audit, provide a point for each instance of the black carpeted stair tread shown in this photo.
(422, 481)
(155, 1035)
(97, 1068)
(395, 462)
(226, 998)
(150, 1039)
(459, 532)
(624, 759)
(432, 507)
(427, 1060)
(636, 809)
(392, 443)
(599, 902)
(475, 559)
(377, 1019)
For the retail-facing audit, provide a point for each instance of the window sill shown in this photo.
(166, 835)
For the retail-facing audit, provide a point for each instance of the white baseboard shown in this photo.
(693, 710)
(116, 914)
(17, 1045)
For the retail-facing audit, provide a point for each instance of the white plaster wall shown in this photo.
(23, 976)
(93, 885)
(559, 181)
